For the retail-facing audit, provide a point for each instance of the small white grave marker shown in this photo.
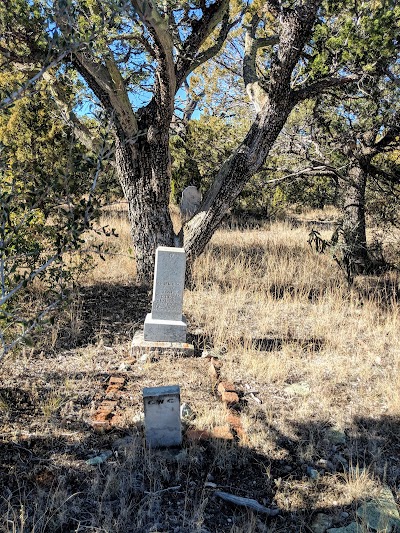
(162, 419)
(166, 322)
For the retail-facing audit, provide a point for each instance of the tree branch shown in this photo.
(107, 84)
(158, 28)
(391, 136)
(322, 85)
(189, 58)
(254, 90)
(16, 94)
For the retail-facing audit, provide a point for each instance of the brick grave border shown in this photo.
(108, 414)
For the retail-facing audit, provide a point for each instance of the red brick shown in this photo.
(241, 433)
(234, 421)
(226, 386)
(117, 420)
(112, 390)
(116, 381)
(107, 405)
(219, 432)
(230, 398)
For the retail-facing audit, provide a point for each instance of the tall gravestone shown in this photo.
(166, 323)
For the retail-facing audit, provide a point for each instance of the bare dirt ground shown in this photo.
(316, 363)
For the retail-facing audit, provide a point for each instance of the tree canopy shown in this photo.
(134, 59)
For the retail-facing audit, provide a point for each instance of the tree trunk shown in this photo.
(144, 172)
(355, 253)
(235, 173)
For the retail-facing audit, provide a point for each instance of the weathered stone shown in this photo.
(190, 202)
(164, 330)
(165, 323)
(148, 349)
(169, 283)
(321, 523)
(100, 459)
(381, 514)
(312, 473)
(187, 412)
(162, 418)
(351, 528)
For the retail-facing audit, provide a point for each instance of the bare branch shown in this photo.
(158, 28)
(18, 93)
(200, 31)
(323, 85)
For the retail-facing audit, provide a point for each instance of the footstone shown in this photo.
(162, 419)
(165, 322)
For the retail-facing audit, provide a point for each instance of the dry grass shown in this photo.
(280, 315)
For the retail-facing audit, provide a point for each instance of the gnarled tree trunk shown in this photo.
(145, 176)
(354, 246)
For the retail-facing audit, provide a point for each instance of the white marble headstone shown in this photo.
(162, 418)
(166, 322)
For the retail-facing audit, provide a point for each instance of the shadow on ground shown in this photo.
(47, 484)
(106, 312)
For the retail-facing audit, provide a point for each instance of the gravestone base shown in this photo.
(156, 329)
(141, 347)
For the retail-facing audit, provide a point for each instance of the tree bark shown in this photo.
(144, 172)
(236, 171)
(355, 252)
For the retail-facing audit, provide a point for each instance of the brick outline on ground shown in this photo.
(106, 416)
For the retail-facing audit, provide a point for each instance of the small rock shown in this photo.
(99, 459)
(187, 412)
(327, 465)
(312, 473)
(321, 523)
(210, 485)
(381, 514)
(298, 389)
(336, 436)
(123, 367)
(287, 468)
(344, 515)
(138, 419)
